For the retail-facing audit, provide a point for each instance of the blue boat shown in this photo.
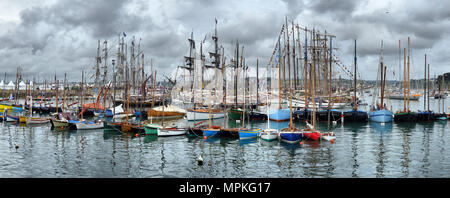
(425, 116)
(291, 136)
(380, 116)
(210, 132)
(249, 133)
(17, 109)
(279, 115)
(109, 113)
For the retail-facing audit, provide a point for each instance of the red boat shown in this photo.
(310, 134)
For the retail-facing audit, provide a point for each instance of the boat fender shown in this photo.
(200, 160)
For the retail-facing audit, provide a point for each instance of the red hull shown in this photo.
(312, 136)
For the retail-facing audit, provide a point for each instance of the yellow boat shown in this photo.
(22, 119)
(3, 107)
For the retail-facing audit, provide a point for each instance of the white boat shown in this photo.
(203, 115)
(89, 125)
(164, 132)
(269, 134)
(328, 136)
(122, 115)
(59, 122)
(37, 120)
(97, 114)
(301, 104)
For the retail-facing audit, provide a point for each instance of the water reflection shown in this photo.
(381, 128)
(405, 129)
(360, 150)
(243, 142)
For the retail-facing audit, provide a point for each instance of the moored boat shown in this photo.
(311, 134)
(355, 116)
(151, 129)
(31, 120)
(405, 116)
(380, 116)
(441, 116)
(249, 133)
(170, 111)
(210, 132)
(291, 136)
(86, 125)
(269, 134)
(425, 116)
(279, 115)
(203, 114)
(235, 114)
(164, 132)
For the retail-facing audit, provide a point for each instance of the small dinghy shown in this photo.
(269, 134)
(164, 132)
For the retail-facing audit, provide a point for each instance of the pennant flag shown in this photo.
(124, 34)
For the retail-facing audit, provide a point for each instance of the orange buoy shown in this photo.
(137, 135)
(62, 128)
(205, 137)
(332, 141)
(301, 143)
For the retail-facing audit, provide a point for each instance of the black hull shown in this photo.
(440, 116)
(137, 129)
(257, 116)
(425, 116)
(300, 115)
(409, 117)
(323, 115)
(195, 131)
(355, 116)
(229, 133)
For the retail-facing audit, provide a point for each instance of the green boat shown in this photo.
(111, 126)
(151, 129)
(235, 114)
(405, 117)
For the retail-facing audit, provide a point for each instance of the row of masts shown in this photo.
(126, 67)
(295, 70)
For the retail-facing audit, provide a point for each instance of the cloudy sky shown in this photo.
(60, 36)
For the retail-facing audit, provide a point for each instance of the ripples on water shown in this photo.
(360, 150)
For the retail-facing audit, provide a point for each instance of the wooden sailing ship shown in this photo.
(406, 115)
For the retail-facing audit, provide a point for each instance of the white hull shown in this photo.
(203, 115)
(328, 137)
(270, 134)
(121, 116)
(301, 104)
(83, 126)
(96, 114)
(37, 121)
(59, 123)
(164, 132)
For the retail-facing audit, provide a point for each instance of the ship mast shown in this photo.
(105, 58)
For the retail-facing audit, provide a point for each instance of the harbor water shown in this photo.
(367, 150)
